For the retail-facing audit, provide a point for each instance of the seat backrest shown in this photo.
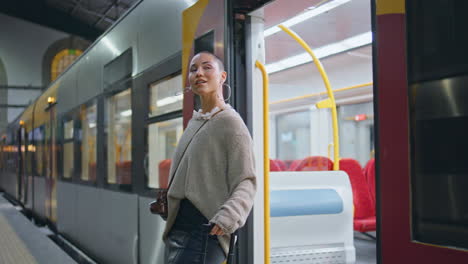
(294, 164)
(274, 165)
(163, 169)
(124, 172)
(369, 172)
(363, 205)
(315, 163)
(281, 164)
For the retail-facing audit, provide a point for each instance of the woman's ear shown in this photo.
(223, 77)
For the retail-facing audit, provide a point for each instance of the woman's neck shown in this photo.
(208, 103)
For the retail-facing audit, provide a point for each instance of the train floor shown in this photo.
(22, 242)
(366, 249)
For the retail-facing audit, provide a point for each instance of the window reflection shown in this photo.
(166, 96)
(88, 118)
(68, 150)
(303, 140)
(162, 139)
(118, 128)
(39, 141)
(293, 135)
(356, 126)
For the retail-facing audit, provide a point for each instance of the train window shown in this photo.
(68, 150)
(118, 129)
(301, 135)
(355, 123)
(30, 150)
(293, 135)
(88, 118)
(162, 138)
(165, 96)
(40, 150)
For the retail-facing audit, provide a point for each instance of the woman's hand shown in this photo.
(216, 231)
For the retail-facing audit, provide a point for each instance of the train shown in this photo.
(87, 156)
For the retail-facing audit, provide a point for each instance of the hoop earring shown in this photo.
(230, 91)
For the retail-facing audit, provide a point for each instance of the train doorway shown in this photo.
(303, 147)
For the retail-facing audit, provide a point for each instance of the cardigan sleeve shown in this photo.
(241, 182)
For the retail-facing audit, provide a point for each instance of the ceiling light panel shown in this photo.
(321, 52)
(305, 16)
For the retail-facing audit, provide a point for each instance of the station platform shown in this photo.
(21, 242)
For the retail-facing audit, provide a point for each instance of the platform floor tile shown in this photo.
(12, 248)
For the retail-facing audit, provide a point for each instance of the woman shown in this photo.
(213, 186)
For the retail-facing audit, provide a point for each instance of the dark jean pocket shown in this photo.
(176, 243)
(178, 238)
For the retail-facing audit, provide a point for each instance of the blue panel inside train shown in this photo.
(305, 202)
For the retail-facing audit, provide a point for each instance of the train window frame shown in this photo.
(29, 157)
(67, 117)
(152, 120)
(79, 130)
(171, 66)
(36, 173)
(152, 85)
(111, 91)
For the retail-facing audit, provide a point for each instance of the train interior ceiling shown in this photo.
(301, 135)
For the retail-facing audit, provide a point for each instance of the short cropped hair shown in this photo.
(217, 59)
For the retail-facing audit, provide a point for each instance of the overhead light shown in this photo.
(355, 99)
(92, 125)
(126, 113)
(322, 52)
(169, 100)
(304, 16)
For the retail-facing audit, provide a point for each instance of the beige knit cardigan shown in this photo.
(216, 173)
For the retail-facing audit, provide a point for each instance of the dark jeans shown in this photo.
(189, 241)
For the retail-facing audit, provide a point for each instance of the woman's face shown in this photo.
(205, 75)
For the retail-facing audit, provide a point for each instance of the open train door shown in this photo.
(207, 26)
(422, 122)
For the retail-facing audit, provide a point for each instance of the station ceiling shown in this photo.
(85, 18)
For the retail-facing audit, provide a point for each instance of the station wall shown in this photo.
(25, 52)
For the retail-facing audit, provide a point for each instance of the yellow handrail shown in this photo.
(321, 93)
(328, 103)
(329, 150)
(266, 162)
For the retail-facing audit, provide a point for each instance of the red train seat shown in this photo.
(315, 163)
(369, 172)
(92, 169)
(294, 164)
(124, 172)
(281, 164)
(364, 210)
(274, 166)
(163, 169)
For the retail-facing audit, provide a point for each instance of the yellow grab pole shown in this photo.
(322, 93)
(328, 103)
(266, 162)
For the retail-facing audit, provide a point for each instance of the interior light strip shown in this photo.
(322, 52)
(169, 100)
(304, 16)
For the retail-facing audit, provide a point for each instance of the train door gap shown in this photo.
(301, 133)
